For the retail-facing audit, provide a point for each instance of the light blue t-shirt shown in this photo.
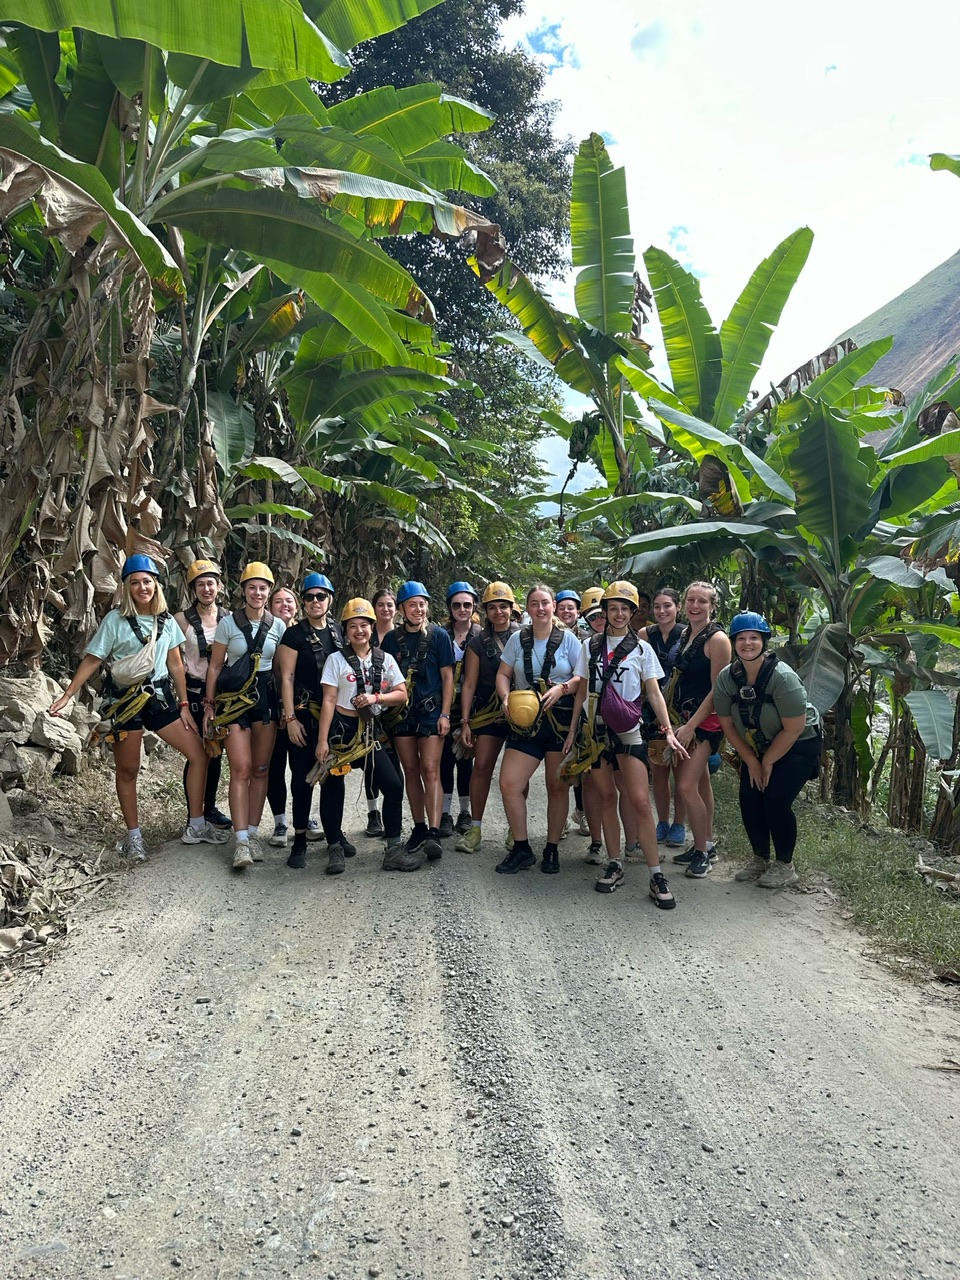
(229, 633)
(115, 639)
(564, 660)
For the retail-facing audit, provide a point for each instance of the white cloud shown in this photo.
(738, 123)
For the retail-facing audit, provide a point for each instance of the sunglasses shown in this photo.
(314, 597)
(464, 604)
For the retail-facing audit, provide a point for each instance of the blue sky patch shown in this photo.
(648, 38)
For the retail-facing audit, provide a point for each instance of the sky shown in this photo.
(738, 122)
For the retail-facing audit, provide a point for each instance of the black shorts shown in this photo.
(420, 722)
(546, 740)
(160, 712)
(711, 736)
(267, 710)
(499, 729)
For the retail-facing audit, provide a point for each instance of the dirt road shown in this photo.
(456, 1074)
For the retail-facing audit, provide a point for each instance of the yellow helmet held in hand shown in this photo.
(590, 600)
(624, 591)
(256, 569)
(523, 708)
(203, 569)
(358, 608)
(498, 591)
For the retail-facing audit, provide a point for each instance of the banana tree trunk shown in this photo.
(847, 787)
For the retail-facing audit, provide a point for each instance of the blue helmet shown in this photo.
(411, 589)
(316, 581)
(750, 621)
(455, 588)
(568, 595)
(139, 564)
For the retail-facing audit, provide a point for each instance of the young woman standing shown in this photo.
(479, 696)
(385, 608)
(541, 657)
(157, 699)
(617, 664)
(198, 622)
(358, 683)
(763, 708)
(704, 652)
(424, 654)
(283, 604)
(461, 626)
(251, 731)
(664, 636)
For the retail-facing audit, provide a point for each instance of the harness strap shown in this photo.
(549, 653)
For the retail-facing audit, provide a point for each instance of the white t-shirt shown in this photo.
(195, 665)
(631, 673)
(564, 660)
(229, 633)
(337, 671)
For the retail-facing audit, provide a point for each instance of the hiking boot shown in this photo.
(279, 837)
(516, 860)
(583, 826)
(594, 854)
(660, 892)
(464, 822)
(374, 823)
(132, 847)
(432, 846)
(754, 869)
(663, 830)
(349, 850)
(242, 858)
(779, 875)
(469, 842)
(699, 865)
(550, 860)
(256, 848)
(445, 830)
(611, 879)
(418, 837)
(313, 830)
(335, 863)
(298, 853)
(676, 836)
(203, 835)
(683, 859)
(397, 857)
(217, 819)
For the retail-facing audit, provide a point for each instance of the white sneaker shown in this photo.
(279, 837)
(256, 848)
(133, 847)
(582, 824)
(242, 856)
(313, 830)
(204, 835)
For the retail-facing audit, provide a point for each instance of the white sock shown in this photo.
(252, 831)
(654, 870)
(465, 806)
(372, 806)
(133, 831)
(196, 824)
(242, 837)
(447, 801)
(474, 822)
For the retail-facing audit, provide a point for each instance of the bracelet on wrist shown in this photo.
(444, 715)
(183, 703)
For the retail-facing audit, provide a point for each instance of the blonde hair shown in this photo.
(540, 586)
(711, 591)
(127, 608)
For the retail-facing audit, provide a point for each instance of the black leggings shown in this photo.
(377, 765)
(214, 765)
(277, 778)
(768, 815)
(449, 764)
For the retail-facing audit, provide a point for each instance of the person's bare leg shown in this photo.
(515, 773)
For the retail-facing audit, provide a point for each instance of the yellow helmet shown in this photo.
(358, 608)
(590, 600)
(256, 569)
(523, 708)
(203, 568)
(621, 590)
(498, 591)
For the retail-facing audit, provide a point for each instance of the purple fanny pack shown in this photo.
(617, 713)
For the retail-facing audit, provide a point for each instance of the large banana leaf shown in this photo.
(822, 665)
(647, 386)
(445, 167)
(700, 438)
(295, 232)
(274, 33)
(746, 332)
(690, 340)
(76, 200)
(409, 119)
(942, 446)
(88, 129)
(375, 395)
(38, 57)
(932, 712)
(831, 479)
(601, 240)
(833, 385)
(348, 22)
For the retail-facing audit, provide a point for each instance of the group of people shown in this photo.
(611, 691)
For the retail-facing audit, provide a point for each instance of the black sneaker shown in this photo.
(349, 850)
(683, 859)
(550, 860)
(432, 847)
(516, 860)
(298, 854)
(374, 823)
(445, 830)
(612, 878)
(699, 865)
(660, 892)
(217, 819)
(464, 823)
(418, 837)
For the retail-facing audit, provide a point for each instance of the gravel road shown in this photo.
(453, 1074)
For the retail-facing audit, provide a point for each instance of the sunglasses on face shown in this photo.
(314, 597)
(463, 605)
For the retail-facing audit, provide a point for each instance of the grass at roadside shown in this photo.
(872, 870)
